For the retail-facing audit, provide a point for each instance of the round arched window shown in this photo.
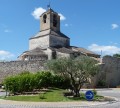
(44, 18)
(54, 20)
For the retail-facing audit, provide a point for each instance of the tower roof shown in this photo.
(49, 11)
(49, 32)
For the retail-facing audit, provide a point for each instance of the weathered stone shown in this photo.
(111, 68)
(15, 67)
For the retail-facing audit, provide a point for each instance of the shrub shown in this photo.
(12, 84)
(101, 83)
(20, 83)
(46, 79)
(24, 73)
(42, 96)
(61, 82)
(43, 79)
(94, 92)
(26, 82)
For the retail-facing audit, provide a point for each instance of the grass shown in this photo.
(53, 95)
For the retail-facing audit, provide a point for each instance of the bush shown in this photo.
(42, 96)
(12, 84)
(94, 92)
(27, 82)
(43, 79)
(24, 73)
(61, 82)
(101, 83)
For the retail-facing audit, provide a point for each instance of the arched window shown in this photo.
(54, 20)
(44, 18)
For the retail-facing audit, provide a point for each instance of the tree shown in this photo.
(78, 70)
(116, 55)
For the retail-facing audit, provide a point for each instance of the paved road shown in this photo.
(106, 92)
(2, 93)
(110, 92)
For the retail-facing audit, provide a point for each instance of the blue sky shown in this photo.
(92, 24)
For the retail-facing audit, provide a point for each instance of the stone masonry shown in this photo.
(111, 68)
(15, 67)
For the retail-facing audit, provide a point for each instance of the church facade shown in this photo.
(50, 43)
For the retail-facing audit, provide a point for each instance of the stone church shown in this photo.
(50, 43)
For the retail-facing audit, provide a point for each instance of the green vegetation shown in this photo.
(68, 74)
(52, 95)
(28, 82)
(101, 83)
(78, 70)
(94, 92)
(116, 55)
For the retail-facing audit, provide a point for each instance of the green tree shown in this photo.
(116, 55)
(78, 70)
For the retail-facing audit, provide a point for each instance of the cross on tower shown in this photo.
(48, 6)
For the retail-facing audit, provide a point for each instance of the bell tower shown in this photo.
(50, 20)
(49, 34)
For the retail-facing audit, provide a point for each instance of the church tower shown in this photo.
(50, 20)
(49, 34)
(49, 43)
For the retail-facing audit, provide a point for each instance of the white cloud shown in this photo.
(114, 43)
(5, 55)
(66, 25)
(106, 50)
(62, 17)
(7, 31)
(37, 12)
(115, 26)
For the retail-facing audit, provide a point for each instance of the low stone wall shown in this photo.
(15, 67)
(112, 70)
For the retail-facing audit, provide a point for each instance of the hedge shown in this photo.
(27, 82)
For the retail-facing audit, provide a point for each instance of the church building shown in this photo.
(50, 43)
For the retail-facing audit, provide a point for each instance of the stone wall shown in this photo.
(60, 55)
(112, 70)
(42, 42)
(59, 41)
(15, 67)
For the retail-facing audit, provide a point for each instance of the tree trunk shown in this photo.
(76, 88)
(76, 93)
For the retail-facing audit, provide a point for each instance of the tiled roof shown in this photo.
(58, 34)
(85, 51)
(36, 51)
(48, 11)
(73, 49)
(48, 32)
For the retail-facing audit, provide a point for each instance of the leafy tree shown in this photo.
(78, 70)
(116, 55)
(60, 81)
